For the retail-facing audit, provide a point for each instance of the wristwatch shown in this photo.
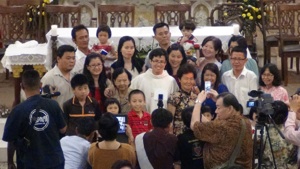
(198, 101)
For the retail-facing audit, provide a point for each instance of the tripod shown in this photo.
(259, 150)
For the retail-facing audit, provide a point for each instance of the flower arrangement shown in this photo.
(251, 16)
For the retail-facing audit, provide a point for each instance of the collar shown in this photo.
(243, 73)
(88, 100)
(79, 54)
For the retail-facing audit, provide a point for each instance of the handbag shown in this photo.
(230, 164)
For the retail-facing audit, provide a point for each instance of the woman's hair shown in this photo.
(217, 43)
(171, 48)
(213, 68)
(119, 71)
(274, 71)
(108, 127)
(110, 101)
(102, 77)
(104, 28)
(121, 163)
(280, 112)
(136, 63)
(185, 69)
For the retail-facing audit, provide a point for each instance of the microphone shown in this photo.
(46, 89)
(50, 95)
(255, 93)
(160, 103)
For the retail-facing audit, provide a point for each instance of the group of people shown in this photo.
(173, 119)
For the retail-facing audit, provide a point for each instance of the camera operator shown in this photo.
(223, 134)
(33, 127)
(291, 131)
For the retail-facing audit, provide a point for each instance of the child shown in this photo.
(190, 148)
(188, 40)
(138, 119)
(113, 106)
(206, 111)
(81, 105)
(103, 34)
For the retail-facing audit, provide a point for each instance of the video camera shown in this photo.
(263, 103)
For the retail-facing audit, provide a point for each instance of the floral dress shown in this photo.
(180, 100)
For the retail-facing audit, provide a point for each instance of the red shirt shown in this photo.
(139, 125)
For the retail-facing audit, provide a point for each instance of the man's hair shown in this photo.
(158, 52)
(185, 69)
(85, 126)
(240, 50)
(110, 101)
(159, 25)
(64, 48)
(229, 100)
(136, 91)
(121, 163)
(205, 109)
(274, 71)
(104, 28)
(79, 80)
(78, 28)
(108, 127)
(240, 40)
(187, 24)
(186, 116)
(31, 80)
(161, 118)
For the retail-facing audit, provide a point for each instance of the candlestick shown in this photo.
(236, 29)
(53, 30)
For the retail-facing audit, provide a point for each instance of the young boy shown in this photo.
(81, 105)
(190, 148)
(138, 119)
(206, 111)
(187, 41)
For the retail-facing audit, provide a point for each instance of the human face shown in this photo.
(128, 49)
(103, 37)
(186, 32)
(158, 64)
(81, 92)
(175, 58)
(187, 82)
(66, 62)
(208, 50)
(95, 66)
(208, 115)
(82, 39)
(222, 112)
(122, 82)
(137, 102)
(238, 61)
(163, 36)
(268, 78)
(113, 108)
(210, 76)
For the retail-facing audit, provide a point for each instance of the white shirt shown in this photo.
(75, 151)
(55, 78)
(80, 59)
(152, 85)
(240, 86)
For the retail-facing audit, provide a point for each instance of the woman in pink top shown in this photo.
(270, 82)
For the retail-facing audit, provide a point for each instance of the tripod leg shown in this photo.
(271, 147)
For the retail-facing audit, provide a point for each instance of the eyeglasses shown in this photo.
(159, 61)
(267, 75)
(237, 59)
(97, 65)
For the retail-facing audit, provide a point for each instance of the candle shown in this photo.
(236, 29)
(53, 30)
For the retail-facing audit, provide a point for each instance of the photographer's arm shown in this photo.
(290, 131)
(10, 155)
(196, 116)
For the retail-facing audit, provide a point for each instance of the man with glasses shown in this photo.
(155, 80)
(239, 80)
